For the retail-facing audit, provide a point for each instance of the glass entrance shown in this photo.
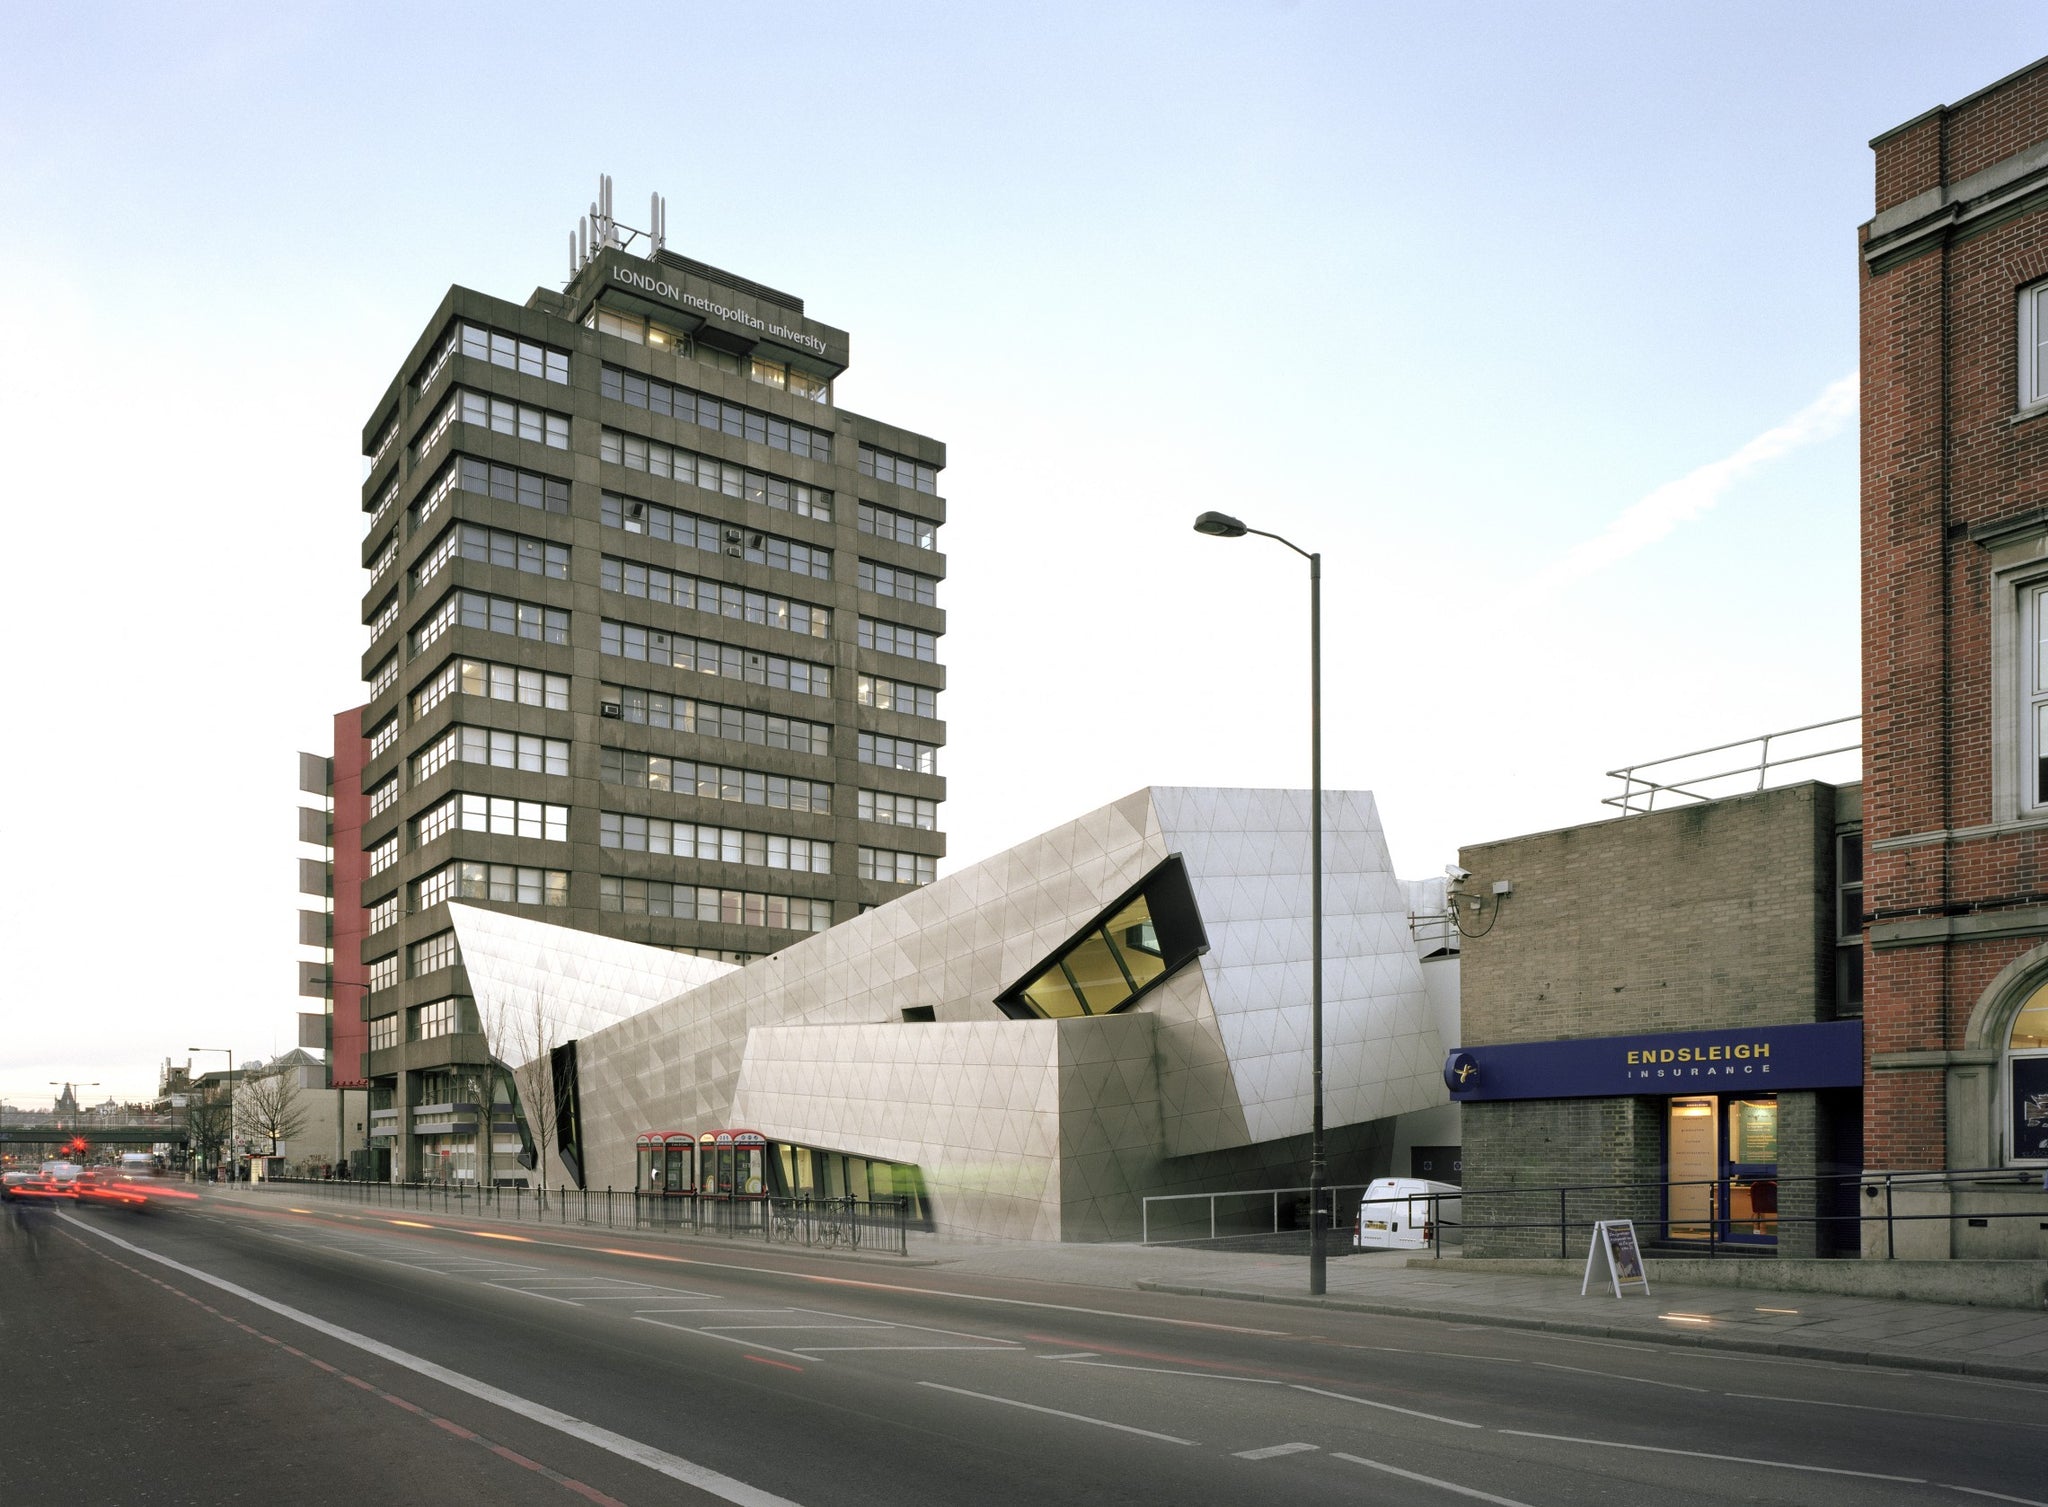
(1721, 1169)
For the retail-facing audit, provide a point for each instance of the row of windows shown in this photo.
(500, 349)
(436, 952)
(896, 638)
(900, 469)
(385, 615)
(896, 696)
(384, 854)
(384, 677)
(477, 677)
(713, 537)
(656, 585)
(492, 746)
(898, 753)
(383, 1033)
(500, 416)
(510, 884)
(653, 834)
(904, 585)
(529, 489)
(425, 1022)
(712, 782)
(898, 810)
(383, 445)
(383, 972)
(891, 867)
(683, 714)
(383, 562)
(383, 735)
(721, 476)
(383, 796)
(706, 657)
(689, 902)
(497, 814)
(793, 380)
(384, 500)
(904, 528)
(490, 546)
(707, 412)
(658, 335)
(474, 609)
(384, 912)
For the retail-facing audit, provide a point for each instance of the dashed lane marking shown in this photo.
(1697, 1454)
(1436, 1481)
(1272, 1451)
(1387, 1407)
(1122, 1428)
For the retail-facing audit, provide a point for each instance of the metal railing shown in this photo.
(1839, 1203)
(1241, 1222)
(881, 1225)
(1640, 788)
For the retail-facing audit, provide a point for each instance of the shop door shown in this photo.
(1751, 1173)
(1692, 1167)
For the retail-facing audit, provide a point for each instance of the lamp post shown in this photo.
(1223, 526)
(231, 1106)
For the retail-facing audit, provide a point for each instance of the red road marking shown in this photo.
(780, 1365)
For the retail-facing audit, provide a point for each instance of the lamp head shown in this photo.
(1220, 526)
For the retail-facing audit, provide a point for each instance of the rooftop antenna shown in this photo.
(657, 220)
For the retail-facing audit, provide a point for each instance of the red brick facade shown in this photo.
(1954, 869)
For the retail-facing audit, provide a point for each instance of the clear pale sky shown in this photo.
(1535, 319)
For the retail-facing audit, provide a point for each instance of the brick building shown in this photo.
(1954, 307)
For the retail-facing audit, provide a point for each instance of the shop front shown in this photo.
(1691, 1131)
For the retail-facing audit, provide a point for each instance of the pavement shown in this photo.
(2000, 1343)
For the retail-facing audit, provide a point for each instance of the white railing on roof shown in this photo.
(1695, 776)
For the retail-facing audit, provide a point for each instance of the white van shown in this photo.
(1395, 1213)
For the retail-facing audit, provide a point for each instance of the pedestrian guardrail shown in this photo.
(881, 1225)
(1850, 1213)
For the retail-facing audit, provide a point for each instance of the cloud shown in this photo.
(1660, 512)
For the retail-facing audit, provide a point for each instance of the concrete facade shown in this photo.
(660, 616)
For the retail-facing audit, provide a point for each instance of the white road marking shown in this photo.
(1110, 1365)
(1641, 1381)
(1997, 1496)
(1272, 1451)
(1012, 1402)
(978, 1349)
(1867, 1407)
(1696, 1454)
(1367, 1402)
(1071, 1355)
(520, 1292)
(675, 1467)
(751, 1328)
(724, 1338)
(1409, 1475)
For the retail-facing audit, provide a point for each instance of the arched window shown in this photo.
(2026, 1080)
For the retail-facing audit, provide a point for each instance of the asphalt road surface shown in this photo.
(236, 1351)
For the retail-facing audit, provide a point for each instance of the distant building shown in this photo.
(653, 653)
(1955, 652)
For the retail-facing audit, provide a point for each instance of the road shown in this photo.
(242, 1350)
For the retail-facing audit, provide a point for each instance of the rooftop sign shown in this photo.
(656, 287)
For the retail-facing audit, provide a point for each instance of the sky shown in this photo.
(1536, 320)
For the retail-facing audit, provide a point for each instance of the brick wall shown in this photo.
(1941, 456)
(1702, 916)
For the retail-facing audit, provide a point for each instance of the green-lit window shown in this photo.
(1146, 935)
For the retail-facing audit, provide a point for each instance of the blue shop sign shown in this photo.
(1752, 1059)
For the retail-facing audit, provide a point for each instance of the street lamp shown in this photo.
(231, 1106)
(1223, 526)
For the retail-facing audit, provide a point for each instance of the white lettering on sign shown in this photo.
(634, 278)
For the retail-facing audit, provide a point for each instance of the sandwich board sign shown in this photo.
(1617, 1237)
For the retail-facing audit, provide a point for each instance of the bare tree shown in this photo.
(207, 1118)
(268, 1105)
(520, 1035)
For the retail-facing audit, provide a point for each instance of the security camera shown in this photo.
(1455, 874)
